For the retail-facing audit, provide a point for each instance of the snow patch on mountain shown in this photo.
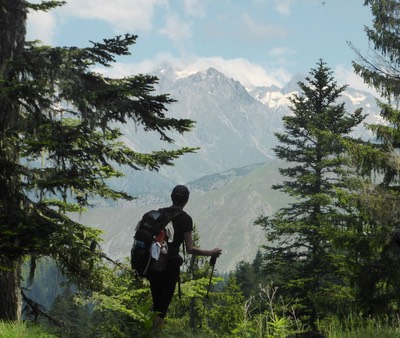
(271, 97)
(182, 74)
(356, 98)
(235, 125)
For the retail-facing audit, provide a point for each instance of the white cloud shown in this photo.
(280, 55)
(41, 26)
(242, 70)
(177, 29)
(122, 15)
(280, 51)
(284, 6)
(119, 70)
(345, 76)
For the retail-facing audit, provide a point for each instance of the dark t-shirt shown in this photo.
(163, 283)
(182, 223)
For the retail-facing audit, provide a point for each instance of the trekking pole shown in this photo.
(213, 260)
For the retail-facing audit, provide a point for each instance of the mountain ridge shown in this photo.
(230, 177)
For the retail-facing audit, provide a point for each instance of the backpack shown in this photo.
(150, 246)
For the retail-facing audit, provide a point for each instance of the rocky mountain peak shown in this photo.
(234, 129)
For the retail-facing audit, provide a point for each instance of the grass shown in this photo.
(23, 330)
(351, 327)
(356, 327)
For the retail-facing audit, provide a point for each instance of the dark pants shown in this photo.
(162, 285)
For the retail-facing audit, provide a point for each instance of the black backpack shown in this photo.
(151, 233)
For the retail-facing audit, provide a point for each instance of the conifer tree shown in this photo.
(59, 144)
(381, 71)
(246, 279)
(374, 251)
(298, 256)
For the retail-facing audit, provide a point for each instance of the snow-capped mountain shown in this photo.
(235, 128)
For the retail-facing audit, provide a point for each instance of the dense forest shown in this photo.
(330, 265)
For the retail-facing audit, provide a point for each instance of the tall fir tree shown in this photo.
(59, 145)
(380, 69)
(299, 257)
(376, 195)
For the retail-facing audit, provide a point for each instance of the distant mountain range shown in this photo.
(229, 177)
(224, 207)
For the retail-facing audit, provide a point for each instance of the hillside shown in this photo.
(223, 206)
(230, 176)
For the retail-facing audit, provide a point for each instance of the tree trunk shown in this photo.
(12, 38)
(10, 288)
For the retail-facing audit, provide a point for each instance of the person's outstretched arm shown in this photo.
(191, 249)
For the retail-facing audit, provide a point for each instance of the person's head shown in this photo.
(180, 195)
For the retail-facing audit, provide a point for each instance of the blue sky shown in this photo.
(259, 42)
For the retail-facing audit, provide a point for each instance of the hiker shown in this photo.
(162, 284)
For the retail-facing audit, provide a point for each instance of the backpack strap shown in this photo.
(175, 215)
(170, 217)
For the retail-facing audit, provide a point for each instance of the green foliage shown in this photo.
(124, 309)
(74, 318)
(379, 67)
(300, 258)
(45, 5)
(23, 329)
(246, 278)
(227, 310)
(267, 315)
(124, 306)
(121, 309)
(193, 308)
(372, 251)
(356, 326)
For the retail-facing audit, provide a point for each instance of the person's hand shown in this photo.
(216, 252)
